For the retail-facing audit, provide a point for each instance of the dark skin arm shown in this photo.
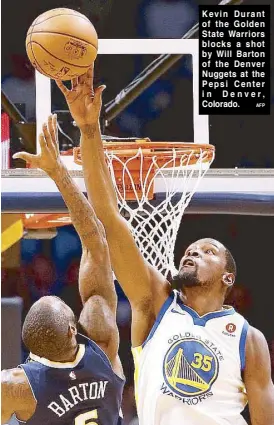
(257, 378)
(95, 278)
(144, 286)
(81, 212)
(96, 286)
(98, 316)
(16, 396)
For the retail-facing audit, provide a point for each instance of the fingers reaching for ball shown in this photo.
(87, 78)
(49, 136)
(83, 100)
(53, 131)
(98, 94)
(74, 83)
(29, 158)
(49, 158)
(62, 87)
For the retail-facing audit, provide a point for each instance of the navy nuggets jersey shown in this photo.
(86, 391)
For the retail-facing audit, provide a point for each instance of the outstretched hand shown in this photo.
(83, 101)
(49, 157)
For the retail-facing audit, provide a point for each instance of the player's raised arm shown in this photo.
(257, 378)
(95, 281)
(141, 283)
(82, 214)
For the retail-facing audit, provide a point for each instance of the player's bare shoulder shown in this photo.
(16, 394)
(15, 384)
(257, 351)
(255, 339)
(146, 311)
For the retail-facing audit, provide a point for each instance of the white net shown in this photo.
(155, 222)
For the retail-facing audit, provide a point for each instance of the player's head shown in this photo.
(206, 263)
(49, 329)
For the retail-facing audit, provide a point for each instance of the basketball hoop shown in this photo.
(135, 169)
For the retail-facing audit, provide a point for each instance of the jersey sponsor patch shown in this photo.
(230, 330)
(230, 327)
(190, 367)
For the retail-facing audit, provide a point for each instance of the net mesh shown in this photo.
(154, 223)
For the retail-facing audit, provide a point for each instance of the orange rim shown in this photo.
(161, 150)
(155, 155)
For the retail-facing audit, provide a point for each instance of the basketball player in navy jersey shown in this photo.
(197, 361)
(69, 378)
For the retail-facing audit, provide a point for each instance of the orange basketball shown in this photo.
(62, 44)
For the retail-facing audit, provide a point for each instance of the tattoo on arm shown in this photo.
(19, 391)
(82, 214)
(16, 393)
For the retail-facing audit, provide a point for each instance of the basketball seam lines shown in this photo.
(39, 68)
(59, 14)
(38, 65)
(61, 60)
(62, 33)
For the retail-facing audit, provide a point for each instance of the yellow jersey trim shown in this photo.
(136, 352)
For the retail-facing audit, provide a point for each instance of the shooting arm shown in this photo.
(83, 217)
(98, 317)
(81, 212)
(145, 287)
(95, 255)
(257, 377)
(141, 283)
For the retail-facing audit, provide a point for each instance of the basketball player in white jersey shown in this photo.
(197, 361)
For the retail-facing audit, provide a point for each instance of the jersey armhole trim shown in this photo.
(33, 393)
(161, 314)
(242, 344)
(19, 420)
(104, 357)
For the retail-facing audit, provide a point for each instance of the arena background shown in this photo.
(32, 268)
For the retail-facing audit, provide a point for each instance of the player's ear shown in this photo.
(72, 330)
(228, 279)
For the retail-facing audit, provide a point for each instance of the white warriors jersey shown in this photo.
(188, 371)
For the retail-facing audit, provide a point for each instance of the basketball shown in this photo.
(62, 43)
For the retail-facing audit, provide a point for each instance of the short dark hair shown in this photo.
(45, 330)
(230, 262)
